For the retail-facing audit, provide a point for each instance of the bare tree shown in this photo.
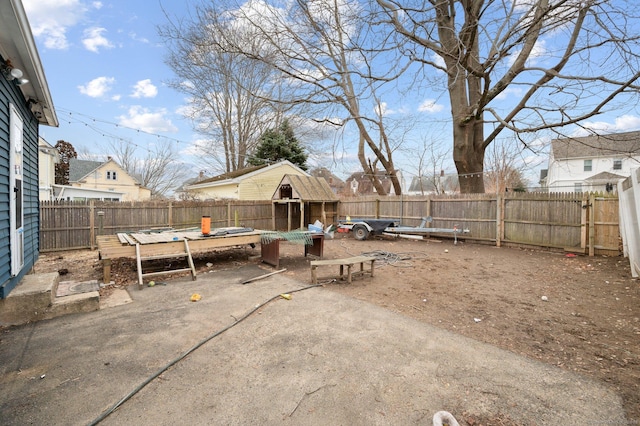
(429, 160)
(562, 61)
(330, 60)
(156, 169)
(229, 94)
(505, 170)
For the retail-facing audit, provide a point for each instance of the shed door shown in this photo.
(16, 235)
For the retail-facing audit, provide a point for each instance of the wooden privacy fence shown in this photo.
(69, 225)
(577, 222)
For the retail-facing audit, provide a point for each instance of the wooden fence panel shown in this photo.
(476, 213)
(364, 207)
(547, 220)
(606, 225)
(64, 225)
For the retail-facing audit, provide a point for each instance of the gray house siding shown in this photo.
(11, 94)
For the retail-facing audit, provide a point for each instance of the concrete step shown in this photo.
(34, 299)
(74, 303)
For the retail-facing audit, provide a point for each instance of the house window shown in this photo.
(587, 166)
(617, 164)
(577, 187)
(111, 175)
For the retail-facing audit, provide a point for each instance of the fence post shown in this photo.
(377, 208)
(592, 226)
(170, 213)
(499, 221)
(92, 225)
(584, 222)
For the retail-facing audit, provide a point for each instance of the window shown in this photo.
(617, 164)
(577, 187)
(587, 166)
(111, 175)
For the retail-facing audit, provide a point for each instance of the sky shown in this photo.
(104, 64)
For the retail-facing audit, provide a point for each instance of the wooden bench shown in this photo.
(348, 262)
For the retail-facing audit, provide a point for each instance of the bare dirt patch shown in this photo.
(578, 313)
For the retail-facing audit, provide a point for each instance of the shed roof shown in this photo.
(614, 144)
(237, 176)
(232, 175)
(307, 188)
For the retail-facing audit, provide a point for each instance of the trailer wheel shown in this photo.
(360, 232)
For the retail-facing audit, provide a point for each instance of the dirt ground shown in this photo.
(576, 312)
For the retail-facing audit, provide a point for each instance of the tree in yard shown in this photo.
(521, 66)
(67, 152)
(429, 162)
(326, 59)
(505, 172)
(158, 169)
(229, 95)
(277, 145)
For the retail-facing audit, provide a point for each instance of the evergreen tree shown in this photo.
(67, 152)
(277, 145)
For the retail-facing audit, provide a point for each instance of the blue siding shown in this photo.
(10, 93)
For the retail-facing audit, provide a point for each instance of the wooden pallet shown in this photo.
(184, 253)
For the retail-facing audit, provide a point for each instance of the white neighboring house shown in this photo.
(592, 163)
(48, 157)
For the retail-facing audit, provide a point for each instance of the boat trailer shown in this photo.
(362, 228)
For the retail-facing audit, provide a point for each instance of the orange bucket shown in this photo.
(205, 225)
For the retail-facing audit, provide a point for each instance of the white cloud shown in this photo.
(539, 50)
(134, 36)
(382, 110)
(98, 87)
(624, 123)
(93, 39)
(437, 59)
(97, 5)
(50, 20)
(143, 119)
(144, 89)
(430, 105)
(510, 92)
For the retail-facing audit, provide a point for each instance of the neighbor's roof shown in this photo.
(428, 183)
(614, 144)
(308, 188)
(18, 46)
(233, 175)
(605, 176)
(79, 169)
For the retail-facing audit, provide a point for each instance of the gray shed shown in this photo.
(301, 200)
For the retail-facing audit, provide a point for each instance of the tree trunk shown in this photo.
(468, 156)
(369, 171)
